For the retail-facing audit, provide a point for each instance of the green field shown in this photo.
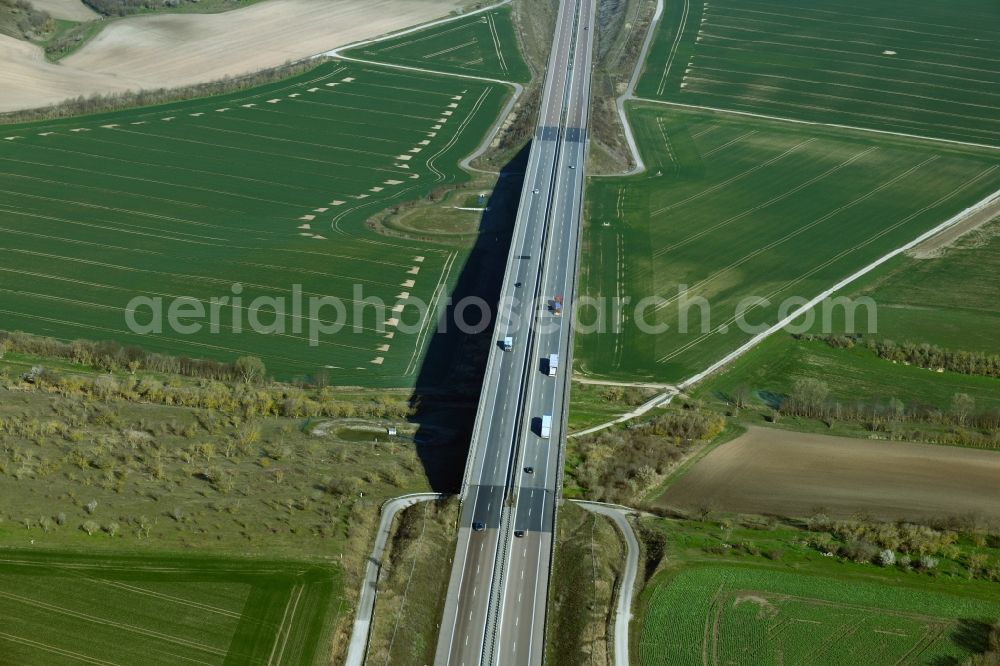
(952, 301)
(268, 188)
(733, 208)
(724, 614)
(480, 45)
(852, 375)
(922, 67)
(73, 609)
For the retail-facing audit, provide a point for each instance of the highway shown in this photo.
(495, 610)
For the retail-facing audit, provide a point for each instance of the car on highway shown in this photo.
(529, 470)
(519, 533)
(478, 527)
(536, 191)
(572, 166)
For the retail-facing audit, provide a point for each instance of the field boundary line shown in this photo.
(86, 617)
(814, 123)
(666, 249)
(439, 289)
(50, 648)
(881, 187)
(287, 620)
(667, 396)
(491, 134)
(673, 48)
(159, 595)
(813, 302)
(410, 30)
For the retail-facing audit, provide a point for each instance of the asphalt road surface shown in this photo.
(495, 611)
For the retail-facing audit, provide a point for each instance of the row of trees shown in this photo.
(126, 7)
(114, 357)
(905, 545)
(921, 355)
(244, 399)
(810, 398)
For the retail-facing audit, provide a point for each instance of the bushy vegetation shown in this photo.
(242, 400)
(21, 20)
(413, 584)
(170, 462)
(127, 7)
(621, 465)
(908, 546)
(107, 356)
(586, 579)
(922, 355)
(969, 426)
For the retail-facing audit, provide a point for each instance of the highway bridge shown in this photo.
(495, 610)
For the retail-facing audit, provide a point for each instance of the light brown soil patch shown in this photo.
(777, 472)
(27, 80)
(936, 245)
(73, 10)
(171, 50)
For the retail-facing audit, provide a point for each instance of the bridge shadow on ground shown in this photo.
(450, 379)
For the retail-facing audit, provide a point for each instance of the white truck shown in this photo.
(508, 343)
(553, 364)
(546, 426)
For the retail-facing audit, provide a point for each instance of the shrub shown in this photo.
(927, 562)
(859, 551)
(887, 558)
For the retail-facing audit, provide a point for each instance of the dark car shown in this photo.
(479, 527)
(529, 470)
(519, 533)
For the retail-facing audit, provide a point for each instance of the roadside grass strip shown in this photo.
(481, 45)
(722, 614)
(64, 608)
(735, 208)
(261, 202)
(922, 67)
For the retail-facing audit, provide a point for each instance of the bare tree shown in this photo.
(250, 368)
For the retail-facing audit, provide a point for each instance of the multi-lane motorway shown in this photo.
(495, 610)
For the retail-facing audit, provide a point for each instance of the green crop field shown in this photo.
(922, 67)
(952, 301)
(723, 614)
(260, 194)
(76, 609)
(481, 45)
(733, 208)
(853, 374)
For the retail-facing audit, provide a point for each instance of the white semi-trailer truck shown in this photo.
(553, 364)
(546, 426)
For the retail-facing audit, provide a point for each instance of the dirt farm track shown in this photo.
(778, 472)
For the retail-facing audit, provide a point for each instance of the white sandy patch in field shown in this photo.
(27, 80)
(171, 50)
(73, 10)
(178, 49)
